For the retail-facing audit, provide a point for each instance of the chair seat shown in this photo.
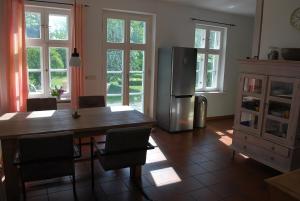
(121, 160)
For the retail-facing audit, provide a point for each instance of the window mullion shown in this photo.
(206, 58)
(127, 62)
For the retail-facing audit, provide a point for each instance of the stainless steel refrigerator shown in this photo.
(176, 88)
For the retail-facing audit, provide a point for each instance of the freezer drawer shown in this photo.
(182, 113)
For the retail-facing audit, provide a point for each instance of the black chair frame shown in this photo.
(17, 162)
(136, 181)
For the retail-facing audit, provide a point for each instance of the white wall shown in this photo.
(276, 28)
(174, 28)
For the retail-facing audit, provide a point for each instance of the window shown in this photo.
(48, 43)
(211, 44)
(127, 53)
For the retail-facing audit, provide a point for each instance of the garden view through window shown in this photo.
(210, 42)
(126, 50)
(48, 49)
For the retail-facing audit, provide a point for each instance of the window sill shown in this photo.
(210, 92)
(64, 100)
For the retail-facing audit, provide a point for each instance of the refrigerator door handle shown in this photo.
(184, 96)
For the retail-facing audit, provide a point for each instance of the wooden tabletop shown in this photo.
(288, 183)
(13, 125)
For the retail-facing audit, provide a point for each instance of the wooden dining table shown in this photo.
(91, 122)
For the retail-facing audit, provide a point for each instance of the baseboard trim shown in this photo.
(220, 117)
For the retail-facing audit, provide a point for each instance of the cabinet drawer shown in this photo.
(275, 148)
(270, 146)
(262, 155)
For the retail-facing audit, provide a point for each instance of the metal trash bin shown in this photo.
(200, 112)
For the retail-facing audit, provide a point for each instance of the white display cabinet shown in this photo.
(266, 126)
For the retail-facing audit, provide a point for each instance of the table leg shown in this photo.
(92, 163)
(12, 179)
(135, 172)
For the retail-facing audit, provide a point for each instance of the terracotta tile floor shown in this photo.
(185, 166)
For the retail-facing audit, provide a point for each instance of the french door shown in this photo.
(127, 51)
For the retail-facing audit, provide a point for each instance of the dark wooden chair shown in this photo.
(39, 104)
(46, 156)
(125, 147)
(91, 101)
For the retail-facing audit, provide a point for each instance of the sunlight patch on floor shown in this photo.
(165, 176)
(244, 156)
(220, 133)
(226, 140)
(155, 155)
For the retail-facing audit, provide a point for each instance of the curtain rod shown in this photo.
(215, 22)
(60, 3)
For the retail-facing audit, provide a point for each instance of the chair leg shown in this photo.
(74, 186)
(80, 146)
(24, 190)
(137, 183)
(92, 163)
(233, 155)
(135, 172)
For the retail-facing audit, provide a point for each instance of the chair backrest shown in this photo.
(125, 147)
(91, 101)
(126, 139)
(46, 146)
(39, 104)
(45, 156)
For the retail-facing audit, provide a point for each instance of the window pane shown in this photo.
(58, 57)
(136, 101)
(115, 30)
(34, 57)
(136, 83)
(33, 25)
(200, 37)
(59, 79)
(200, 71)
(215, 40)
(58, 27)
(114, 100)
(212, 66)
(137, 32)
(114, 83)
(115, 60)
(137, 60)
(35, 82)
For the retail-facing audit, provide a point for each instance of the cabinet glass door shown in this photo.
(279, 108)
(250, 103)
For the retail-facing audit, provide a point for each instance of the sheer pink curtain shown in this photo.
(77, 74)
(15, 56)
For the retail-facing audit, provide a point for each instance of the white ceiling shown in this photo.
(243, 7)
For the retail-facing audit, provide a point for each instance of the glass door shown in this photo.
(250, 103)
(127, 48)
(279, 109)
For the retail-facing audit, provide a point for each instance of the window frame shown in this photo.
(127, 47)
(45, 44)
(207, 51)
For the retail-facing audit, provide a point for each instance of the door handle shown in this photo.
(184, 96)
